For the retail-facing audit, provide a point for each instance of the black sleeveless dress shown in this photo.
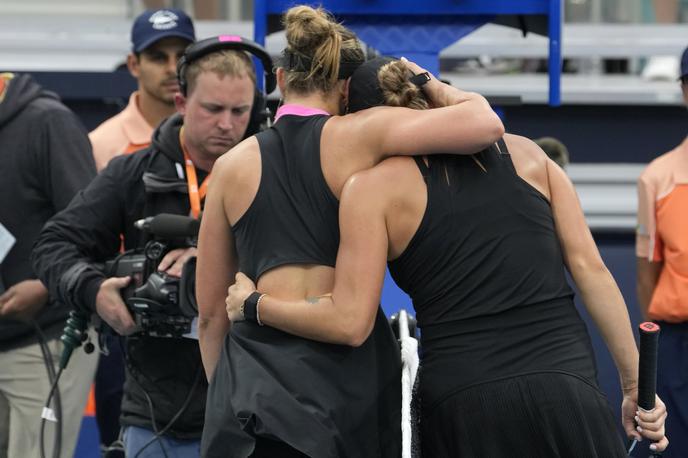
(507, 368)
(321, 400)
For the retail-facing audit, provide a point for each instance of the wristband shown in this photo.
(250, 307)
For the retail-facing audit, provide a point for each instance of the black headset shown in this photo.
(260, 113)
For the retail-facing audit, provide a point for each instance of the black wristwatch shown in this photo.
(420, 79)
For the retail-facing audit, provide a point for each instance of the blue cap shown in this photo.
(153, 25)
(684, 64)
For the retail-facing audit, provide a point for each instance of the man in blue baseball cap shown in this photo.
(154, 25)
(158, 39)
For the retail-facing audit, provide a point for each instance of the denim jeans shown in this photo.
(135, 438)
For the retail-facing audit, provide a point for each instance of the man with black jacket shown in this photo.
(45, 158)
(165, 387)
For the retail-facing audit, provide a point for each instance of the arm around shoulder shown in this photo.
(462, 110)
(465, 127)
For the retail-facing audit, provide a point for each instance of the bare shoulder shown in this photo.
(665, 165)
(524, 147)
(530, 161)
(349, 125)
(233, 161)
(369, 123)
(236, 177)
(363, 116)
(386, 178)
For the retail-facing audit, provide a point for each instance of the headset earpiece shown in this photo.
(260, 115)
(181, 70)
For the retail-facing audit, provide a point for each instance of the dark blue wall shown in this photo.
(603, 133)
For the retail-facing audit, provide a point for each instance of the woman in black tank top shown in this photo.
(271, 212)
(481, 244)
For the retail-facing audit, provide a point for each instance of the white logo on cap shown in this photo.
(163, 20)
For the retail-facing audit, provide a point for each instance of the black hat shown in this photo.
(364, 89)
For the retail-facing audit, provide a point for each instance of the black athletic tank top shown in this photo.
(294, 216)
(487, 278)
(271, 384)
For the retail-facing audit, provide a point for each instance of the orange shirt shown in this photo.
(662, 233)
(4, 79)
(124, 133)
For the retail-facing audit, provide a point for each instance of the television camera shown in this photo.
(161, 305)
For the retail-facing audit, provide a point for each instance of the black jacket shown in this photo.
(88, 232)
(45, 158)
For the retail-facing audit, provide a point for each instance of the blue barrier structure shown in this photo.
(420, 30)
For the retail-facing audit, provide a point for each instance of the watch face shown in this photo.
(420, 79)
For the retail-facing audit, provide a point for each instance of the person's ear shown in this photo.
(684, 91)
(180, 103)
(134, 64)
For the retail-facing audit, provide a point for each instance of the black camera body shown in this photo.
(132, 265)
(161, 305)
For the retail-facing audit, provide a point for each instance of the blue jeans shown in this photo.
(136, 438)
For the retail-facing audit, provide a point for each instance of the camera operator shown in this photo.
(158, 39)
(164, 392)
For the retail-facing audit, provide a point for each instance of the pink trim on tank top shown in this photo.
(298, 110)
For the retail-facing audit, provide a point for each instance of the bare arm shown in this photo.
(647, 276)
(603, 301)
(347, 315)
(215, 270)
(462, 123)
(649, 262)
(438, 93)
(599, 291)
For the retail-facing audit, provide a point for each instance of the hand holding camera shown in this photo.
(174, 261)
(111, 308)
(158, 299)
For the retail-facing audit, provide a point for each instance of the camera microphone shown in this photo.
(167, 225)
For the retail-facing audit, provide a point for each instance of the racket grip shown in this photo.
(647, 368)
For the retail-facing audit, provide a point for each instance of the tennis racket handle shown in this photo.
(647, 368)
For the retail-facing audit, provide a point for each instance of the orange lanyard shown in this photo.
(196, 194)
